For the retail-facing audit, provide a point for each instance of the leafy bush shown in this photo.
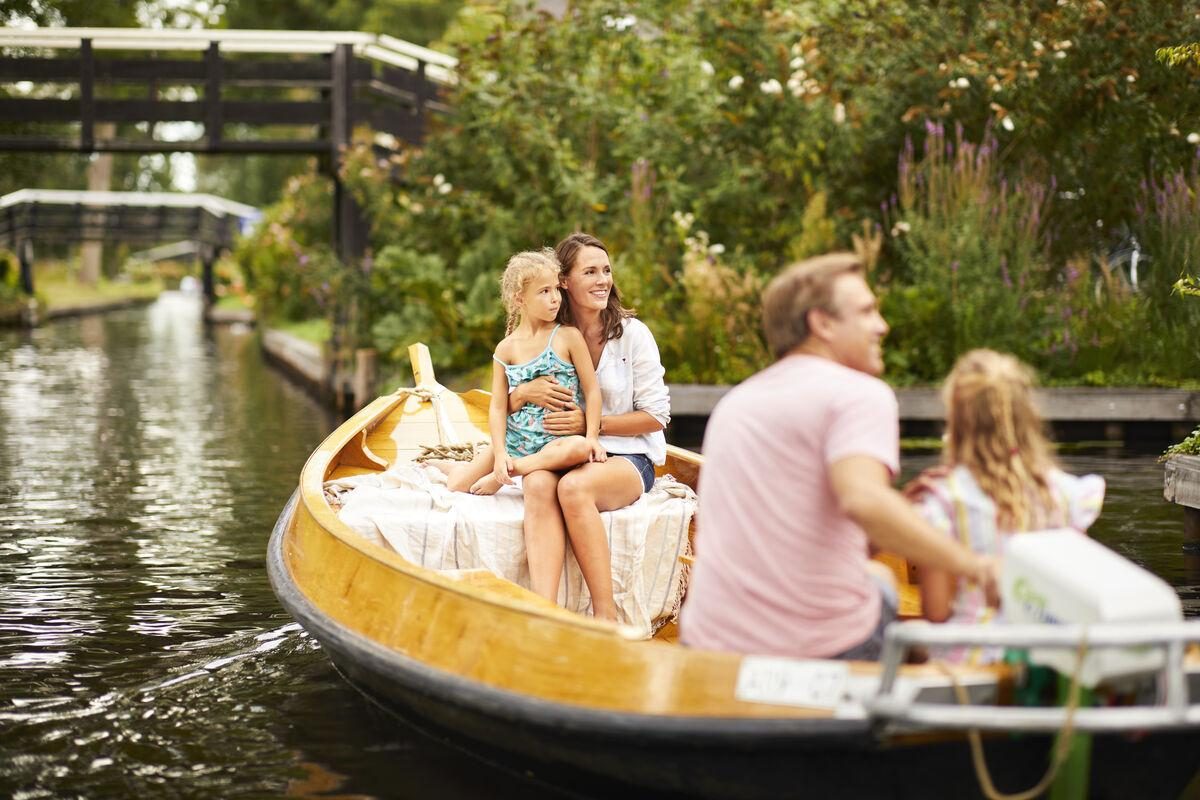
(971, 263)
(772, 130)
(1188, 447)
(287, 260)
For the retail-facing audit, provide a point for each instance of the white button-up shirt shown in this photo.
(631, 374)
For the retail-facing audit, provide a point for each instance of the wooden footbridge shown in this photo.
(240, 87)
(209, 224)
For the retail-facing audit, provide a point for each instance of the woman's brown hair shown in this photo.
(613, 314)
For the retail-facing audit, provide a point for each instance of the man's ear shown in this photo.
(819, 322)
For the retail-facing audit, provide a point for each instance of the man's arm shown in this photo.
(863, 488)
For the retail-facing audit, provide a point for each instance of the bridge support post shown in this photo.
(25, 256)
(208, 258)
(349, 227)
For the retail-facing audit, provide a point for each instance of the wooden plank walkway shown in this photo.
(1056, 405)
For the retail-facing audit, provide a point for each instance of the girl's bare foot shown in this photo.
(486, 485)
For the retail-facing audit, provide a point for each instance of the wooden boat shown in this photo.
(519, 681)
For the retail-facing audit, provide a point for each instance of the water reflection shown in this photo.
(143, 460)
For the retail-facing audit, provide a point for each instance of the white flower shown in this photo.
(1007, 124)
(707, 68)
(1038, 47)
(797, 62)
(1193, 138)
(386, 141)
(963, 83)
(716, 249)
(439, 179)
(445, 188)
(900, 228)
(1130, 78)
(683, 221)
(1065, 44)
(620, 23)
(839, 113)
(736, 82)
(771, 86)
(1061, 54)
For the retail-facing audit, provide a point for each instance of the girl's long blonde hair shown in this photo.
(993, 429)
(520, 270)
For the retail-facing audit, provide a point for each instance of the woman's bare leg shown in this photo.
(545, 533)
(583, 493)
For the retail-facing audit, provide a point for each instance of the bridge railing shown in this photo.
(216, 78)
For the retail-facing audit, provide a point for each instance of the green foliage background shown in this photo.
(985, 159)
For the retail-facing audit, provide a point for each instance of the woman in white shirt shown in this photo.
(636, 409)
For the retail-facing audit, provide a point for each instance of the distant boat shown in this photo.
(497, 670)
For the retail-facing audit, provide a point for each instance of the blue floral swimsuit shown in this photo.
(526, 434)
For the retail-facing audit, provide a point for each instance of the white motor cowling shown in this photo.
(1062, 576)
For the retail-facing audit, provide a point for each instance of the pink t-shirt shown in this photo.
(779, 569)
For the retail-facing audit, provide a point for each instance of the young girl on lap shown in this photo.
(535, 345)
(999, 480)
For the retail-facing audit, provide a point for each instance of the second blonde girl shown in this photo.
(999, 479)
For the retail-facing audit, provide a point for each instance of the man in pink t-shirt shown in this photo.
(798, 465)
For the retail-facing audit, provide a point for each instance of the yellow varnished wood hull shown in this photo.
(492, 662)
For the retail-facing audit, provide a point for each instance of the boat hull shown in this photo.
(595, 751)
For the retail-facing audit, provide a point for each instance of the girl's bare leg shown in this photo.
(564, 453)
(463, 475)
(583, 493)
(545, 533)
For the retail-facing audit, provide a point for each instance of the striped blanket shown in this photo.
(410, 509)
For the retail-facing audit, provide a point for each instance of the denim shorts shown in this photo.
(871, 648)
(643, 465)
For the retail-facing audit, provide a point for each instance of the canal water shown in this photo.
(143, 461)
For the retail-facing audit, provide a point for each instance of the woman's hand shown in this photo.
(546, 392)
(565, 423)
(598, 452)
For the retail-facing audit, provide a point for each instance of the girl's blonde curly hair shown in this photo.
(994, 430)
(520, 270)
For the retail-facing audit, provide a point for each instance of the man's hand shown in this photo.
(566, 423)
(987, 577)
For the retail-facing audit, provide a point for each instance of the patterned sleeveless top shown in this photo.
(525, 434)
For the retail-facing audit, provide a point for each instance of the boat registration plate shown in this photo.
(792, 682)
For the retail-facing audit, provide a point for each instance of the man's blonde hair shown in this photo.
(800, 288)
